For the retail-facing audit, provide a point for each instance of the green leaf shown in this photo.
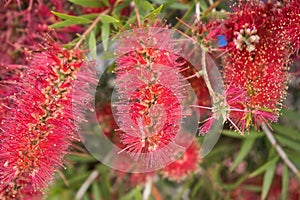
(109, 19)
(288, 142)
(91, 16)
(129, 196)
(105, 184)
(105, 28)
(92, 45)
(96, 191)
(88, 3)
(77, 19)
(154, 13)
(179, 6)
(137, 2)
(231, 185)
(285, 182)
(264, 167)
(245, 149)
(287, 131)
(146, 5)
(138, 194)
(252, 134)
(63, 24)
(106, 3)
(268, 179)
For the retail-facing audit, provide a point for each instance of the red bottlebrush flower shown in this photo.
(38, 132)
(187, 164)
(257, 62)
(151, 93)
(288, 23)
(140, 178)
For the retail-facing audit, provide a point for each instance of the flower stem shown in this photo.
(279, 150)
(147, 190)
(214, 5)
(90, 29)
(86, 185)
(205, 74)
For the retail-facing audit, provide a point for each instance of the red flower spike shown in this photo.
(151, 93)
(257, 62)
(38, 133)
(187, 164)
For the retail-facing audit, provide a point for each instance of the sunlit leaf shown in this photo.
(138, 194)
(146, 5)
(77, 19)
(88, 3)
(105, 35)
(152, 15)
(92, 45)
(109, 19)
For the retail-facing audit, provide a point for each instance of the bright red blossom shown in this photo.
(151, 93)
(38, 133)
(257, 62)
(187, 164)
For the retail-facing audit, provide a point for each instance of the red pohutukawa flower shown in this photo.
(40, 127)
(257, 61)
(187, 164)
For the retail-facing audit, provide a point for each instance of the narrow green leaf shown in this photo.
(245, 149)
(138, 194)
(105, 28)
(77, 19)
(105, 188)
(287, 131)
(154, 13)
(106, 3)
(129, 196)
(264, 167)
(268, 179)
(252, 134)
(146, 5)
(285, 182)
(88, 3)
(196, 188)
(67, 22)
(63, 24)
(92, 45)
(228, 186)
(109, 19)
(96, 191)
(91, 16)
(137, 2)
(288, 142)
(179, 6)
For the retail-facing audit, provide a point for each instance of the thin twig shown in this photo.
(205, 74)
(63, 178)
(138, 16)
(86, 185)
(198, 11)
(213, 6)
(279, 150)
(90, 29)
(148, 188)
